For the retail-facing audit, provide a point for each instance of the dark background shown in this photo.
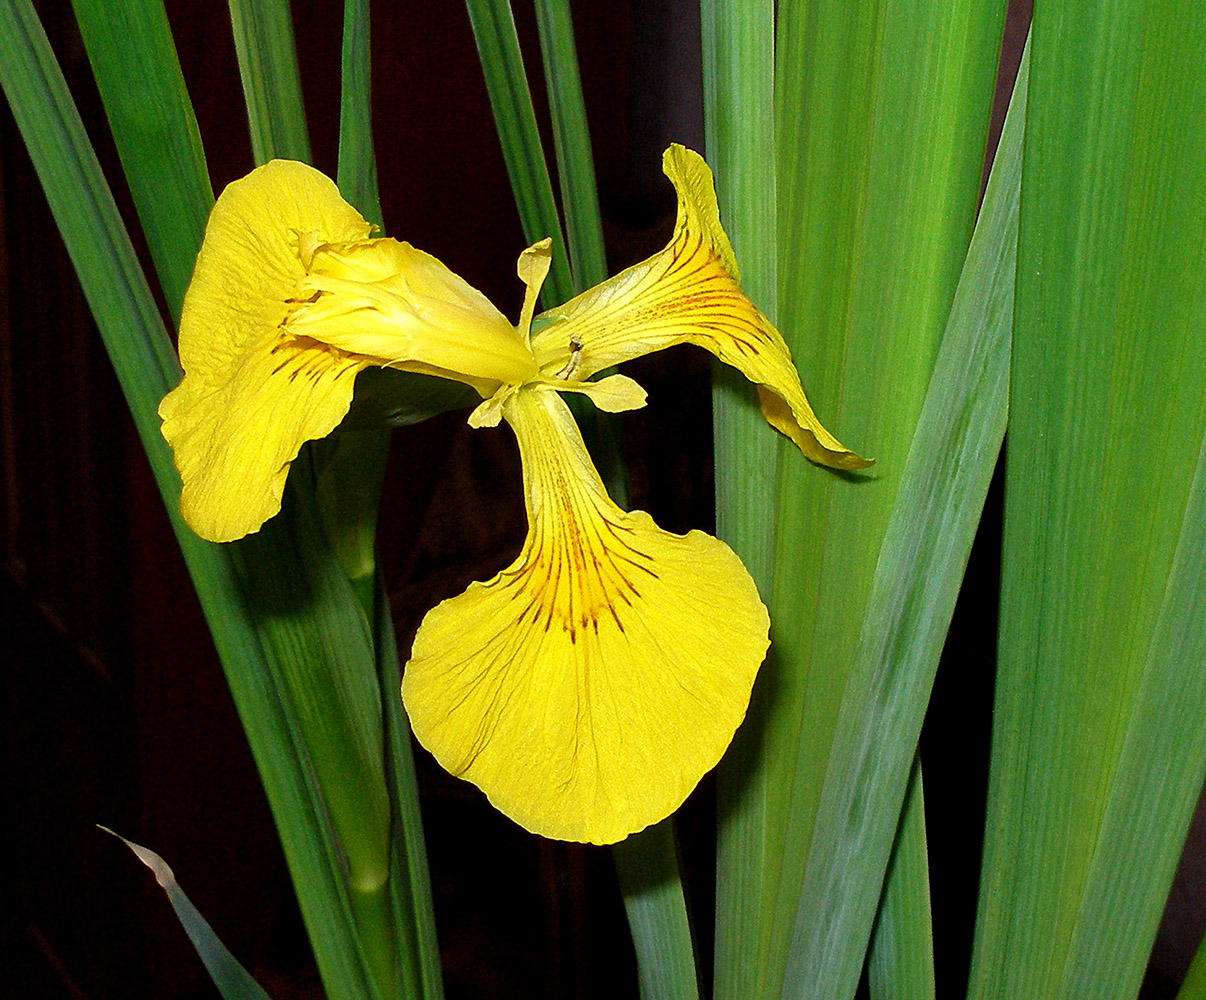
(115, 708)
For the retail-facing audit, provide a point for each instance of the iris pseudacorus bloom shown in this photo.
(588, 686)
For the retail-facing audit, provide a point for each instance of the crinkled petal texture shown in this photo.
(590, 685)
(251, 396)
(689, 294)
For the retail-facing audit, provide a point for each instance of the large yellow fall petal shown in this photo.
(689, 293)
(588, 686)
(249, 398)
(233, 443)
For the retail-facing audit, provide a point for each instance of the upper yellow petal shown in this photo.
(689, 293)
(386, 300)
(589, 686)
(249, 398)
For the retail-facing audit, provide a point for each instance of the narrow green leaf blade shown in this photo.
(232, 980)
(134, 61)
(571, 140)
(263, 36)
(647, 864)
(1142, 831)
(1193, 987)
(414, 913)
(515, 120)
(900, 964)
(1101, 642)
(357, 175)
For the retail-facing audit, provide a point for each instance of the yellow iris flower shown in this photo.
(589, 685)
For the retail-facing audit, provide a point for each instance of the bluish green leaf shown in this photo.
(232, 980)
(1098, 747)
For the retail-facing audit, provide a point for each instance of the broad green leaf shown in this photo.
(913, 592)
(880, 114)
(647, 865)
(515, 120)
(134, 61)
(1098, 747)
(232, 980)
(740, 138)
(738, 42)
(900, 963)
(571, 139)
(263, 36)
(322, 643)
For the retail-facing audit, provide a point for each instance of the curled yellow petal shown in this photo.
(533, 268)
(249, 398)
(588, 686)
(386, 300)
(689, 293)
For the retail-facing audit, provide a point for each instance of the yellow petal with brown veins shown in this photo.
(250, 396)
(689, 293)
(589, 686)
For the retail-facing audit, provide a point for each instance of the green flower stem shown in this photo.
(347, 495)
(647, 865)
(374, 915)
